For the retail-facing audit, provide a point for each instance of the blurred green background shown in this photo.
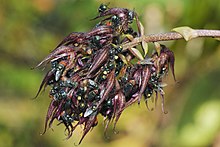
(30, 29)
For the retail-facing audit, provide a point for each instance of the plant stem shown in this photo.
(169, 36)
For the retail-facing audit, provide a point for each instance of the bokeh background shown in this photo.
(30, 29)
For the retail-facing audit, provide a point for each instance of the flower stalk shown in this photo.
(169, 36)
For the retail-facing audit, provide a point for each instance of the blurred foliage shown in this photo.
(29, 29)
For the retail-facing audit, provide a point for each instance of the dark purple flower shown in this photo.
(91, 74)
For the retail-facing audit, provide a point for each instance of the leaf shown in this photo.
(157, 47)
(141, 29)
(123, 58)
(145, 47)
(187, 32)
(136, 53)
(130, 37)
(143, 43)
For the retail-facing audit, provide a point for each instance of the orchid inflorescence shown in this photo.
(91, 73)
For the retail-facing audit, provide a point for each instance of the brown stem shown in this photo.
(169, 36)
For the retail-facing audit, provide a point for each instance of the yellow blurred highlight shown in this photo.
(44, 5)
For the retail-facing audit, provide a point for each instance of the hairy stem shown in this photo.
(170, 36)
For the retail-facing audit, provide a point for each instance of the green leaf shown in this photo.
(123, 58)
(145, 47)
(143, 43)
(141, 29)
(187, 32)
(136, 53)
(130, 37)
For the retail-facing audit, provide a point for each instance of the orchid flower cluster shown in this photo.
(91, 73)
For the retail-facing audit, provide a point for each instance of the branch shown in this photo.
(173, 36)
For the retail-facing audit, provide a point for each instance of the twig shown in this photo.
(170, 36)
